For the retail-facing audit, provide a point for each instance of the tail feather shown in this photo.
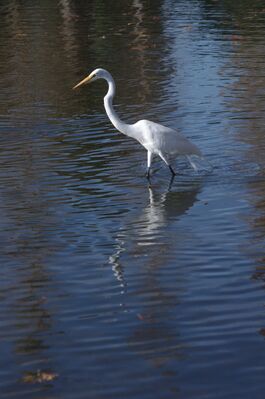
(192, 163)
(203, 163)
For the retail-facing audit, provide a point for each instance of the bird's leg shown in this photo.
(148, 175)
(149, 161)
(172, 170)
(171, 182)
(164, 158)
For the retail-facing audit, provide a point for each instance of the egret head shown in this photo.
(98, 73)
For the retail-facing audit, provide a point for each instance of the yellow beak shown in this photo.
(84, 81)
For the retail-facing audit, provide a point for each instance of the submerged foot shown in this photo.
(148, 173)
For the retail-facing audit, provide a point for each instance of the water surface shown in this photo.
(110, 287)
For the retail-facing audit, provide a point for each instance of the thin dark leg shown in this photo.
(148, 173)
(172, 170)
(171, 182)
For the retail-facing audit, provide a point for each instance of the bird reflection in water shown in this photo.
(117, 267)
(150, 228)
(144, 246)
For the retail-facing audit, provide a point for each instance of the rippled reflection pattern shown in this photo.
(111, 287)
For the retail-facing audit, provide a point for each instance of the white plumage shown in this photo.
(155, 138)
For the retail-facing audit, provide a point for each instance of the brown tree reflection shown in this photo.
(248, 104)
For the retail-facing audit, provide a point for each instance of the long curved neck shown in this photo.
(115, 120)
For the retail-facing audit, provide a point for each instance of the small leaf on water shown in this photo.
(39, 377)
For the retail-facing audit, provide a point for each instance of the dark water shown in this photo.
(110, 288)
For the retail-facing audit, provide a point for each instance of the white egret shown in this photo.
(155, 138)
